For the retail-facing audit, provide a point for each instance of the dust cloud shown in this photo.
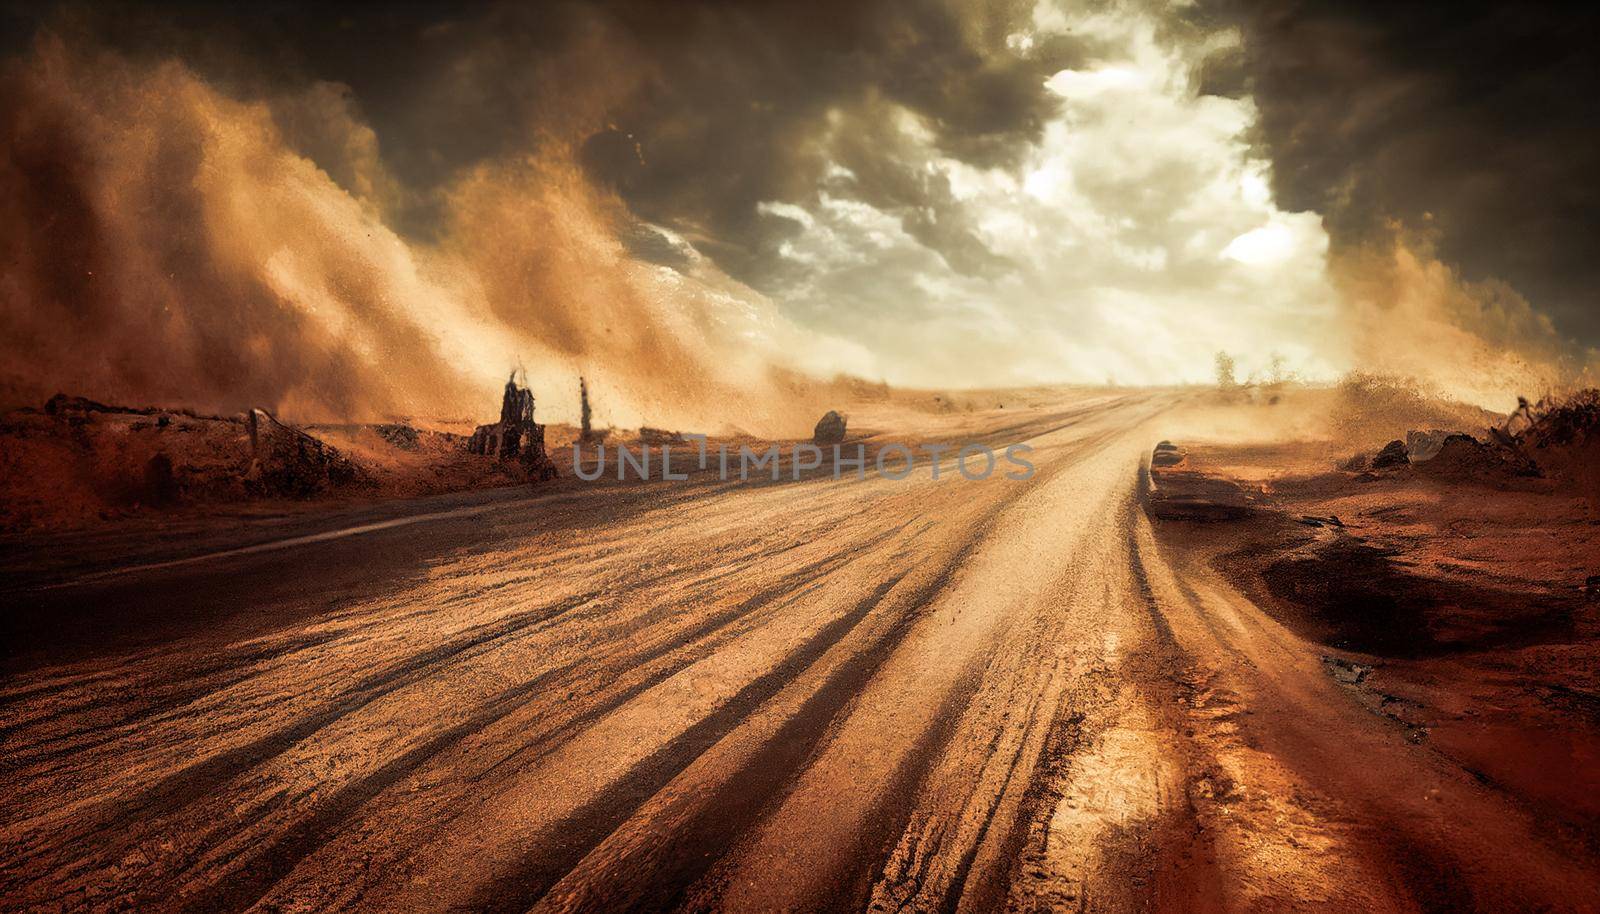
(172, 242)
(1479, 342)
(167, 243)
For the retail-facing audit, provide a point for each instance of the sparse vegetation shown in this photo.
(1226, 381)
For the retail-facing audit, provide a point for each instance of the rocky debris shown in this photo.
(830, 429)
(1345, 671)
(1423, 446)
(1392, 455)
(403, 437)
(288, 462)
(659, 437)
(62, 404)
(1167, 454)
(1356, 464)
(1575, 420)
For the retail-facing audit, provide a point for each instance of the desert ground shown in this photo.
(825, 694)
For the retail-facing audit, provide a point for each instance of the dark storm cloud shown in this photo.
(722, 106)
(1475, 120)
(738, 98)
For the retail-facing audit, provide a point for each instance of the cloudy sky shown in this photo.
(364, 210)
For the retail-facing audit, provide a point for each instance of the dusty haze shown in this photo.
(700, 211)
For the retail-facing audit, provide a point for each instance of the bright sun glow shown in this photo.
(1269, 244)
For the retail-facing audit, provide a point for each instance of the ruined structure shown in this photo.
(516, 435)
(586, 431)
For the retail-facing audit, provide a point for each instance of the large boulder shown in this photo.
(829, 430)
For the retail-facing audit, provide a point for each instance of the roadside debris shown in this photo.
(660, 436)
(287, 462)
(1562, 439)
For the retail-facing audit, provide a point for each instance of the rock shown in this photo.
(830, 429)
(1166, 454)
(1355, 464)
(403, 437)
(1392, 455)
(1423, 446)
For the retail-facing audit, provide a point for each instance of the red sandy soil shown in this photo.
(822, 694)
(1450, 597)
(85, 465)
(75, 467)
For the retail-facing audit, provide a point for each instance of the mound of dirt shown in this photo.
(1361, 597)
(77, 461)
(1564, 440)
(1466, 459)
(1179, 493)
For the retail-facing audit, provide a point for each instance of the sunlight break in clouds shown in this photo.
(1133, 241)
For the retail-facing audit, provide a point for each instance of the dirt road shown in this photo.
(826, 695)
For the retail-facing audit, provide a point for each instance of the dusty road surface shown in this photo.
(824, 695)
